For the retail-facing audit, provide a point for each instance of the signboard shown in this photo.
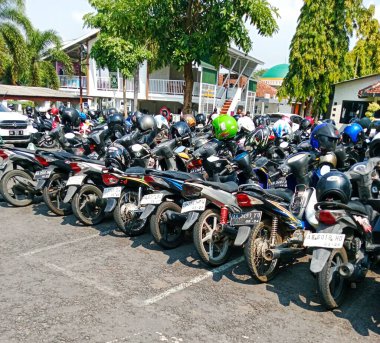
(114, 81)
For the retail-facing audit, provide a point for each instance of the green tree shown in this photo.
(364, 59)
(257, 74)
(318, 51)
(183, 32)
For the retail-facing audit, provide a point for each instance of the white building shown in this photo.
(163, 87)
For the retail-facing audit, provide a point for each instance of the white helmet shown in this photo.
(246, 123)
(161, 122)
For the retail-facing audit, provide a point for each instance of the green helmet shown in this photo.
(225, 127)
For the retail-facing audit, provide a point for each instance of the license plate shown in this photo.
(280, 183)
(16, 132)
(193, 205)
(248, 218)
(112, 192)
(197, 170)
(75, 180)
(324, 240)
(42, 174)
(152, 199)
(94, 155)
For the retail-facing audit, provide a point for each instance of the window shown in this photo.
(352, 109)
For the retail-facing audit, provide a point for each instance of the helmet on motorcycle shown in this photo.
(115, 120)
(258, 139)
(161, 122)
(180, 129)
(28, 110)
(305, 124)
(365, 122)
(310, 119)
(190, 120)
(334, 186)
(146, 122)
(329, 121)
(200, 118)
(136, 116)
(324, 137)
(246, 124)
(374, 146)
(258, 120)
(70, 117)
(266, 120)
(328, 159)
(353, 133)
(281, 128)
(167, 115)
(224, 127)
(54, 111)
(93, 114)
(117, 157)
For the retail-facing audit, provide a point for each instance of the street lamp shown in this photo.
(82, 56)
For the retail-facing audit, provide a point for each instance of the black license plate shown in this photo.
(247, 218)
(16, 132)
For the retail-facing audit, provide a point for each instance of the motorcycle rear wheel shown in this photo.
(88, 205)
(54, 193)
(212, 245)
(9, 191)
(331, 286)
(259, 240)
(165, 233)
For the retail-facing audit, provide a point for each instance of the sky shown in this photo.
(65, 17)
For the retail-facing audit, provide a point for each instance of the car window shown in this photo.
(296, 119)
(4, 109)
(275, 117)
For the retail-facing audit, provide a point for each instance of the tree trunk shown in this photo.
(188, 91)
(136, 80)
(309, 106)
(125, 96)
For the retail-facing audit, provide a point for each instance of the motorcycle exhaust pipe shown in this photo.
(346, 270)
(274, 254)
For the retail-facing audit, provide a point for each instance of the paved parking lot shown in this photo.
(62, 282)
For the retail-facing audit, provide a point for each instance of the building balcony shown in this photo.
(170, 87)
(71, 82)
(104, 84)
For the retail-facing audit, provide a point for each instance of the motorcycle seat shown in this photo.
(285, 194)
(175, 174)
(277, 194)
(136, 170)
(230, 186)
(358, 206)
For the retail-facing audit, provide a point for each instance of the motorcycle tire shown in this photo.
(47, 143)
(202, 239)
(53, 198)
(124, 216)
(259, 240)
(88, 205)
(332, 289)
(6, 192)
(166, 234)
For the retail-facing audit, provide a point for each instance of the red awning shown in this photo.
(370, 91)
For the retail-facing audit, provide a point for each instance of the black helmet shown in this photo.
(200, 119)
(324, 137)
(258, 138)
(116, 119)
(334, 186)
(117, 157)
(180, 129)
(259, 120)
(93, 114)
(70, 117)
(146, 123)
(61, 110)
(266, 120)
(365, 122)
(305, 124)
(28, 110)
(374, 146)
(329, 121)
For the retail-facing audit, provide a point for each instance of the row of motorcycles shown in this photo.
(278, 194)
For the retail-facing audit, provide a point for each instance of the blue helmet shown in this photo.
(281, 128)
(324, 137)
(353, 133)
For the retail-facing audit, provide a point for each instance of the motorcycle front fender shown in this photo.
(148, 210)
(190, 221)
(111, 204)
(321, 255)
(71, 190)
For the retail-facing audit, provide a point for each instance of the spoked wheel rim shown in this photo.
(90, 205)
(169, 231)
(336, 282)
(13, 188)
(214, 243)
(57, 193)
(127, 202)
(261, 244)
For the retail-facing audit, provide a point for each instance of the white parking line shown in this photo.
(194, 281)
(80, 279)
(58, 245)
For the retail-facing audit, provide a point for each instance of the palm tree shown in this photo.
(13, 23)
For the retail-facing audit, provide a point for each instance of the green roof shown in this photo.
(277, 72)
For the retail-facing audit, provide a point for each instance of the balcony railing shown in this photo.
(170, 87)
(104, 84)
(72, 82)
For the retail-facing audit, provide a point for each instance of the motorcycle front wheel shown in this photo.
(212, 245)
(259, 241)
(54, 193)
(12, 188)
(88, 205)
(332, 287)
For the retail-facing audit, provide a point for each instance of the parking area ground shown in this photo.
(62, 282)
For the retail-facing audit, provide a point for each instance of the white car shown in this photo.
(14, 126)
(295, 118)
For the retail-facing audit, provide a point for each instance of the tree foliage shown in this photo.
(318, 50)
(184, 31)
